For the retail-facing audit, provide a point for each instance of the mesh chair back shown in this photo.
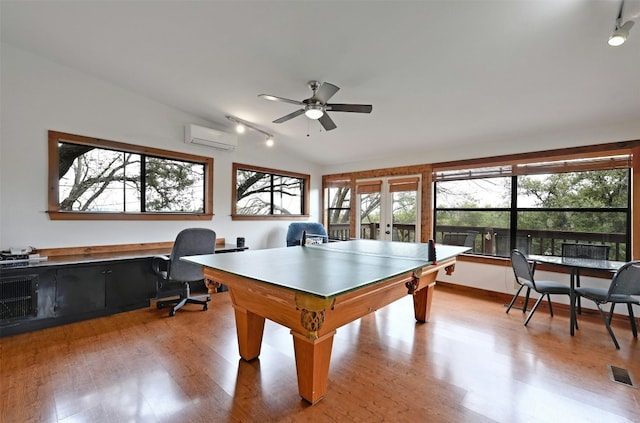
(294, 234)
(587, 251)
(468, 239)
(190, 242)
(521, 268)
(626, 281)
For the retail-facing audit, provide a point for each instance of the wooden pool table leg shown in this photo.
(423, 297)
(312, 364)
(250, 327)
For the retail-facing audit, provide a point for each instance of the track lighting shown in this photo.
(620, 34)
(241, 126)
(621, 31)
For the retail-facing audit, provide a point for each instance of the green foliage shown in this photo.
(603, 189)
(592, 189)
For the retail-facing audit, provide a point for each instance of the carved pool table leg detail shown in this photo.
(212, 286)
(450, 269)
(413, 284)
(312, 312)
(249, 327)
(312, 364)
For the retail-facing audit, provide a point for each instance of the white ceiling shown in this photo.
(440, 74)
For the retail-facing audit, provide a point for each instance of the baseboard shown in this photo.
(502, 298)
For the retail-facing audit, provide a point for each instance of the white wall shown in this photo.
(38, 95)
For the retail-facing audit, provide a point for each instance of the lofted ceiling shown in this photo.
(440, 74)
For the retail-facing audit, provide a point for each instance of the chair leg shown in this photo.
(203, 303)
(533, 310)
(526, 301)
(606, 322)
(178, 306)
(515, 297)
(632, 319)
(550, 306)
(613, 306)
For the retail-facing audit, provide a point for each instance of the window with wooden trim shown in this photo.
(338, 195)
(262, 193)
(535, 207)
(98, 179)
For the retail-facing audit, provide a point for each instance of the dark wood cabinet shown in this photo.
(54, 294)
(129, 285)
(79, 289)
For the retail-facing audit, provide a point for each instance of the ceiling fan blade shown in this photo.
(289, 116)
(327, 123)
(282, 99)
(355, 108)
(325, 92)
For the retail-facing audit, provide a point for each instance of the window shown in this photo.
(339, 209)
(262, 193)
(91, 178)
(536, 207)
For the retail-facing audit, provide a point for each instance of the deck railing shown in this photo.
(495, 241)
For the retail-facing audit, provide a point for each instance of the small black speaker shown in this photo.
(240, 242)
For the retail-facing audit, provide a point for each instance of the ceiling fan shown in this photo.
(316, 106)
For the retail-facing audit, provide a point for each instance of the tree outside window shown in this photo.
(102, 179)
(269, 193)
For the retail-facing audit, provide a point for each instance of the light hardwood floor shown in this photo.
(470, 363)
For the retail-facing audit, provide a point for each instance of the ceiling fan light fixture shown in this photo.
(314, 111)
(269, 142)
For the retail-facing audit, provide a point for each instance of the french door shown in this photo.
(388, 209)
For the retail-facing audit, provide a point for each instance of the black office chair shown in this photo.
(175, 275)
(524, 276)
(624, 288)
(310, 229)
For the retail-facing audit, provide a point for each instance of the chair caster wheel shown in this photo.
(172, 313)
(205, 307)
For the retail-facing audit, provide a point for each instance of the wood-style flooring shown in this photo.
(471, 363)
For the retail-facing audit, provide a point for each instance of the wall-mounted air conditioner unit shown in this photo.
(196, 134)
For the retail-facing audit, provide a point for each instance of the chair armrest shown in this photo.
(160, 264)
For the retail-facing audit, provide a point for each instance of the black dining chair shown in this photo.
(467, 239)
(624, 289)
(584, 251)
(523, 272)
(587, 251)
